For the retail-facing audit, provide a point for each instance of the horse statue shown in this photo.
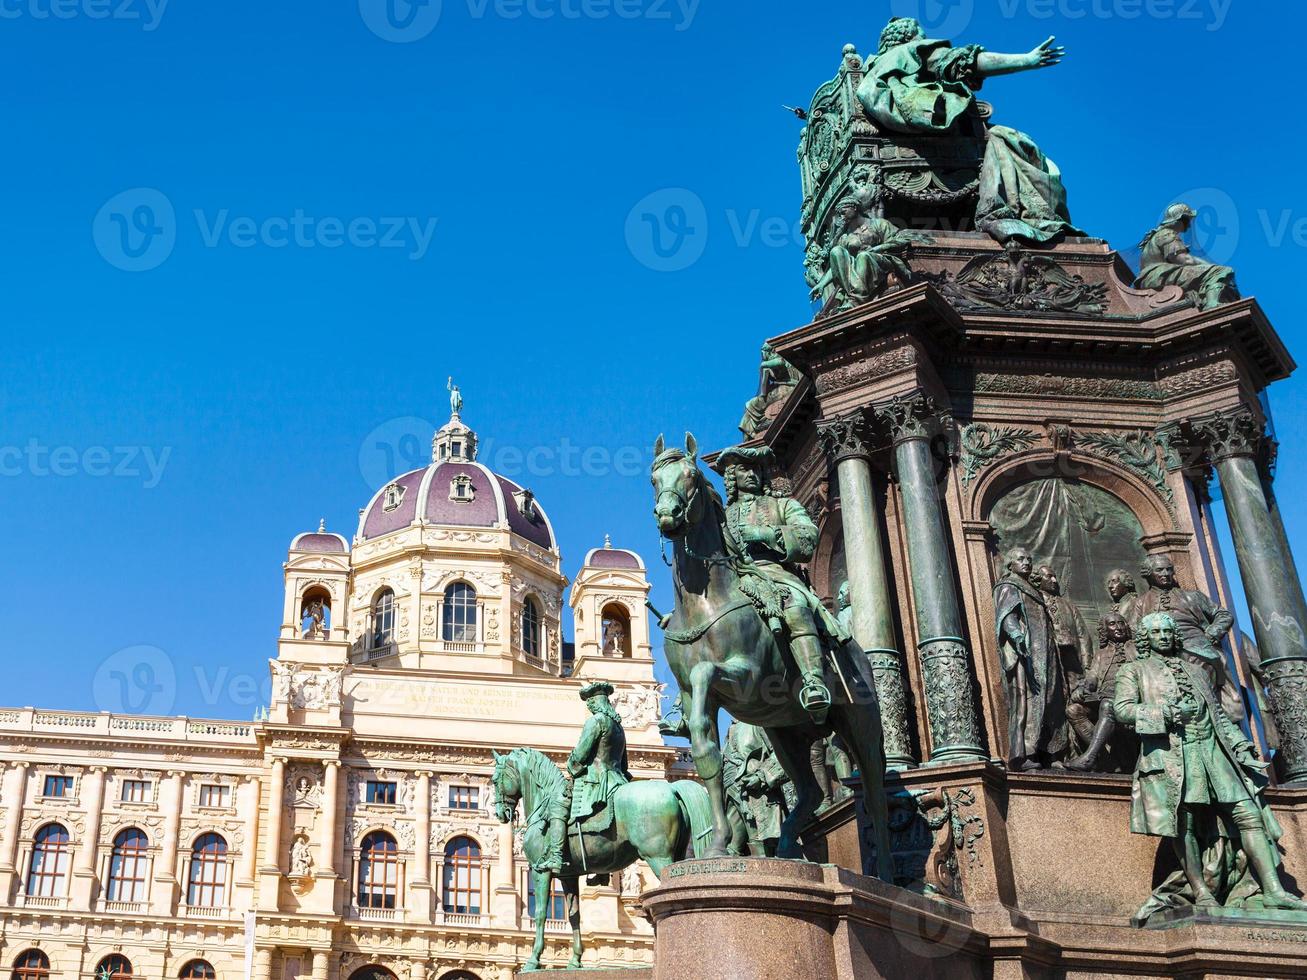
(725, 654)
(652, 820)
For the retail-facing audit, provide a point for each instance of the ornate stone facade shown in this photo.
(323, 839)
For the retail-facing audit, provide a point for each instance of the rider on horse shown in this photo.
(779, 536)
(597, 766)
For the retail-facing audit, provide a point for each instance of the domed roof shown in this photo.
(320, 541)
(456, 490)
(610, 557)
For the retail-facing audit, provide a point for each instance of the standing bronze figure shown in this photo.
(1074, 651)
(1198, 782)
(1032, 673)
(1099, 687)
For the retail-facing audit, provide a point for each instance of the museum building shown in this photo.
(351, 833)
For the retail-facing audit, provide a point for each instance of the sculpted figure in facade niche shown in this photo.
(1198, 783)
(1201, 622)
(1074, 650)
(779, 378)
(917, 85)
(867, 255)
(754, 782)
(1032, 672)
(1099, 688)
(613, 637)
(301, 858)
(1165, 260)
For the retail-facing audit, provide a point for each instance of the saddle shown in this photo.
(592, 812)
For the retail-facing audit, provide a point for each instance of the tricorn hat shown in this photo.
(751, 456)
(596, 688)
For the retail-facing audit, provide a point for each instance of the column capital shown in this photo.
(331, 763)
(913, 416)
(1225, 435)
(846, 437)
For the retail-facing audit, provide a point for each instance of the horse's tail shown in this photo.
(698, 811)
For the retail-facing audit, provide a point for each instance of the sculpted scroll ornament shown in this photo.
(1226, 434)
(914, 416)
(1136, 451)
(984, 444)
(846, 437)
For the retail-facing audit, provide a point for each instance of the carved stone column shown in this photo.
(330, 802)
(422, 849)
(262, 964)
(84, 870)
(250, 788)
(912, 421)
(321, 964)
(276, 803)
(1271, 584)
(165, 891)
(845, 440)
(15, 797)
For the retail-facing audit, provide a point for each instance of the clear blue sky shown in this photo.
(269, 370)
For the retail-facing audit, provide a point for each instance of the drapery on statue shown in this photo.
(1075, 650)
(1032, 672)
(620, 821)
(1099, 687)
(1165, 260)
(1198, 783)
(919, 85)
(754, 781)
(779, 378)
(867, 256)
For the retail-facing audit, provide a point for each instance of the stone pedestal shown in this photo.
(766, 919)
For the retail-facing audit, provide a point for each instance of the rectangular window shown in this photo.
(214, 795)
(464, 798)
(136, 791)
(58, 786)
(379, 792)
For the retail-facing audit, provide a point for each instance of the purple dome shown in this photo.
(320, 542)
(608, 557)
(458, 493)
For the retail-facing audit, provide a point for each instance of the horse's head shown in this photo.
(679, 487)
(508, 787)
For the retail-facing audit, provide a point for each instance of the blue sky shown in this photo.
(360, 209)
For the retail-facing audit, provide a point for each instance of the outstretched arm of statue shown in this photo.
(991, 63)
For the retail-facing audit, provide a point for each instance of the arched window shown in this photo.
(198, 970)
(114, 967)
(129, 866)
(315, 615)
(383, 618)
(378, 871)
(557, 903)
(531, 628)
(207, 885)
(32, 965)
(48, 877)
(460, 616)
(463, 876)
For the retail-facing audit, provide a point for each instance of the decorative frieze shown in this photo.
(983, 444)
